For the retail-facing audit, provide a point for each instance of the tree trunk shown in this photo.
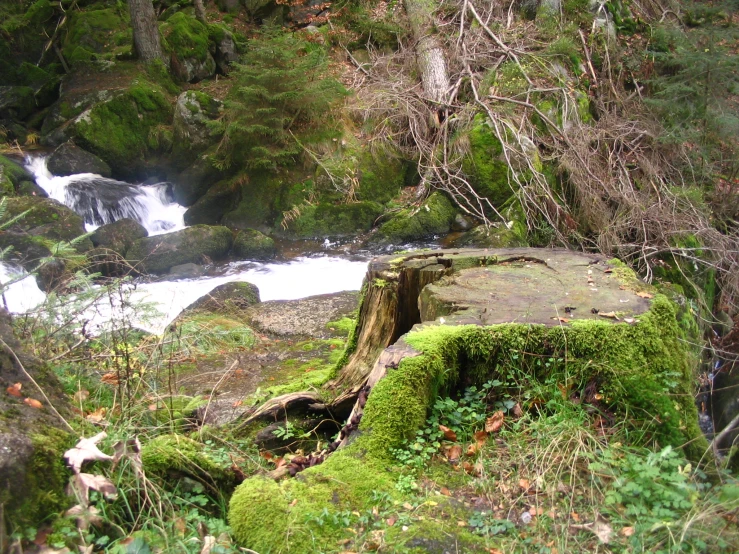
(429, 53)
(200, 11)
(145, 31)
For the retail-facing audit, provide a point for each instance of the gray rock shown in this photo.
(118, 236)
(250, 244)
(198, 244)
(16, 103)
(69, 159)
(226, 298)
(192, 112)
(195, 181)
(186, 271)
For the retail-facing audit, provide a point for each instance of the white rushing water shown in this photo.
(99, 200)
(298, 278)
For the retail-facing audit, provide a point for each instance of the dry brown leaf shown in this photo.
(481, 438)
(391, 521)
(627, 531)
(561, 319)
(180, 525)
(448, 433)
(517, 411)
(453, 453)
(97, 416)
(15, 390)
(494, 422)
(471, 449)
(611, 315)
(81, 395)
(600, 528)
(33, 403)
(445, 491)
(110, 378)
(84, 516)
(209, 541)
(86, 450)
(81, 484)
(524, 484)
(461, 524)
(644, 294)
(575, 516)
(494, 551)
(563, 391)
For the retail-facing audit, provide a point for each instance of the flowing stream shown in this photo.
(99, 201)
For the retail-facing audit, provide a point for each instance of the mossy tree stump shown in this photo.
(433, 322)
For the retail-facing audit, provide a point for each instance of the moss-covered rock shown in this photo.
(209, 208)
(118, 236)
(12, 174)
(48, 219)
(226, 298)
(194, 244)
(195, 181)
(260, 194)
(186, 39)
(176, 455)
(16, 102)
(192, 113)
(333, 220)
(434, 217)
(250, 244)
(487, 171)
(100, 34)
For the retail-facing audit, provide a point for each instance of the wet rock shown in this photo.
(250, 244)
(69, 159)
(16, 103)
(195, 181)
(226, 298)
(198, 244)
(333, 220)
(118, 236)
(192, 135)
(210, 208)
(30, 188)
(304, 317)
(49, 219)
(12, 174)
(186, 271)
(32, 472)
(434, 217)
(188, 44)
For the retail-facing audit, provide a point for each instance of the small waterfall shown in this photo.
(99, 200)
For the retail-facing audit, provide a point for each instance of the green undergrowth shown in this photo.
(638, 375)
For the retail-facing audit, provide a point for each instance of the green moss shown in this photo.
(488, 173)
(343, 326)
(253, 245)
(94, 34)
(45, 480)
(186, 37)
(170, 455)
(434, 217)
(119, 130)
(334, 220)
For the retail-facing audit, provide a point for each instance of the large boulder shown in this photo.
(228, 297)
(69, 159)
(195, 181)
(250, 244)
(186, 39)
(118, 236)
(32, 439)
(94, 35)
(210, 207)
(16, 103)
(333, 220)
(12, 176)
(434, 217)
(201, 243)
(192, 113)
(47, 219)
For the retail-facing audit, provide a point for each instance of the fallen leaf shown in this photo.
(294, 503)
(84, 516)
(472, 449)
(33, 403)
(81, 395)
(97, 416)
(391, 521)
(494, 422)
(611, 315)
(180, 525)
(494, 551)
(524, 484)
(445, 491)
(561, 319)
(266, 454)
(209, 541)
(627, 531)
(600, 528)
(453, 453)
(110, 378)
(575, 516)
(517, 411)
(86, 450)
(481, 438)
(448, 433)
(644, 294)
(563, 391)
(237, 404)
(81, 484)
(609, 270)
(629, 320)
(152, 407)
(15, 390)
(461, 524)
